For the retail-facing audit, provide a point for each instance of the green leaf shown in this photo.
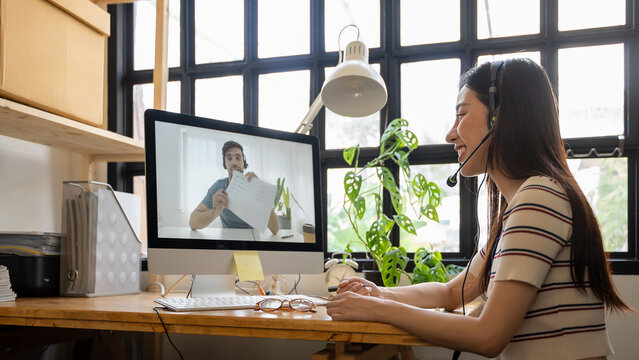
(389, 137)
(435, 195)
(453, 270)
(419, 185)
(420, 274)
(399, 155)
(408, 138)
(405, 223)
(430, 212)
(419, 224)
(349, 154)
(388, 180)
(360, 207)
(387, 223)
(352, 185)
(378, 204)
(405, 165)
(398, 203)
(377, 242)
(393, 265)
(278, 193)
(420, 256)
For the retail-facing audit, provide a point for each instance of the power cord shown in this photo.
(457, 353)
(157, 308)
(299, 278)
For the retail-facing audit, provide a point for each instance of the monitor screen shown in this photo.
(214, 187)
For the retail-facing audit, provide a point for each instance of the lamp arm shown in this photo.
(307, 122)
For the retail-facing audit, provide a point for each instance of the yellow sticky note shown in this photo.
(247, 265)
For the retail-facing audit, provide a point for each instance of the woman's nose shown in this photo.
(452, 134)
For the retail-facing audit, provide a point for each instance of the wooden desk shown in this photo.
(135, 313)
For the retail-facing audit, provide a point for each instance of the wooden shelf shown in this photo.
(30, 124)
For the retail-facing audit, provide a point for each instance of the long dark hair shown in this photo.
(526, 142)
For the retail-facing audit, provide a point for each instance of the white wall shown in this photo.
(31, 178)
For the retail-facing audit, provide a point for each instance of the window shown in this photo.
(243, 62)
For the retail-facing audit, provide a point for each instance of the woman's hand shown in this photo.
(359, 286)
(350, 305)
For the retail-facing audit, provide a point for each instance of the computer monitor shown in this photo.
(185, 167)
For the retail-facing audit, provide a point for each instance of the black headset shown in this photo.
(493, 100)
(493, 103)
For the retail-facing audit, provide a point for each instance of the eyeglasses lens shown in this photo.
(270, 304)
(301, 305)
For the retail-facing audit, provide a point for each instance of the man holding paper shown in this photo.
(216, 201)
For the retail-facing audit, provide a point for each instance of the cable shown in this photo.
(457, 353)
(299, 278)
(157, 308)
(190, 293)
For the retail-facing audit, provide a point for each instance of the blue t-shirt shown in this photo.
(229, 219)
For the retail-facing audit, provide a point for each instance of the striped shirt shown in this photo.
(562, 323)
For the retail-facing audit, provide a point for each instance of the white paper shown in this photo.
(251, 201)
(130, 204)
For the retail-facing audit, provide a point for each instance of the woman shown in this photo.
(543, 269)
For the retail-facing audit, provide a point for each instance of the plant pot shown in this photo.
(285, 223)
(374, 276)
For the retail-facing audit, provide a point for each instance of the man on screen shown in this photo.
(216, 201)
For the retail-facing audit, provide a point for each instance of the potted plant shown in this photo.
(283, 204)
(396, 144)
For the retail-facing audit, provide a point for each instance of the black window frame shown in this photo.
(390, 55)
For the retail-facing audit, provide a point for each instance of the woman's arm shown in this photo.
(486, 335)
(424, 295)
(435, 294)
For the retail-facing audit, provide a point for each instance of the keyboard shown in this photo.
(226, 302)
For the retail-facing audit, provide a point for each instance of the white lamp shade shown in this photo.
(354, 89)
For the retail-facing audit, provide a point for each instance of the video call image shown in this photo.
(221, 185)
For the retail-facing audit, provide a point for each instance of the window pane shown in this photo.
(143, 99)
(283, 28)
(283, 99)
(501, 18)
(605, 184)
(532, 55)
(443, 236)
(591, 91)
(339, 230)
(219, 30)
(429, 92)
(139, 188)
(144, 35)
(583, 14)
(343, 132)
(339, 13)
(428, 22)
(220, 98)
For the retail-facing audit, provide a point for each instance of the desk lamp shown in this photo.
(354, 89)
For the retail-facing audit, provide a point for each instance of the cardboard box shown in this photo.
(52, 56)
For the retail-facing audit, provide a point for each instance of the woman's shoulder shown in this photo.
(542, 189)
(542, 183)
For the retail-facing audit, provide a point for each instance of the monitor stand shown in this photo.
(213, 285)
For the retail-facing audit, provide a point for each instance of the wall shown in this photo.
(31, 178)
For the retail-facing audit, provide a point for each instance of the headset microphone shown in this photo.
(452, 180)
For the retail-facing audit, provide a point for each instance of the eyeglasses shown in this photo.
(273, 304)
